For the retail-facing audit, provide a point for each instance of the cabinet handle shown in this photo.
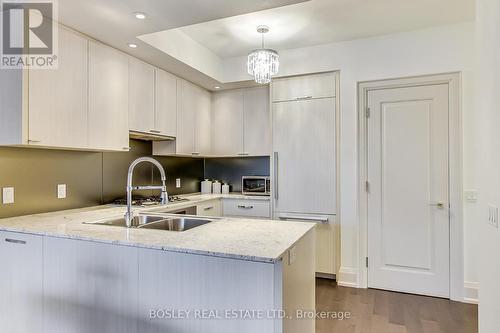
(195, 153)
(245, 207)
(319, 219)
(155, 131)
(208, 208)
(34, 141)
(15, 241)
(126, 148)
(304, 97)
(276, 175)
(243, 154)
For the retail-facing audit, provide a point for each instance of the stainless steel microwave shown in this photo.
(256, 185)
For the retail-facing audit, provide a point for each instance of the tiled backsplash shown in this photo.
(94, 178)
(231, 170)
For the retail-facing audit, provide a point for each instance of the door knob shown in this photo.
(439, 204)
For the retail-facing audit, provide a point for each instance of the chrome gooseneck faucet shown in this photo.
(129, 215)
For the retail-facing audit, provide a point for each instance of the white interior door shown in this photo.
(408, 199)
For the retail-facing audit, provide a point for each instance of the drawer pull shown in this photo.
(15, 241)
(245, 207)
(208, 208)
(155, 131)
(318, 219)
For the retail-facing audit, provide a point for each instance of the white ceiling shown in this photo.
(113, 22)
(325, 21)
(226, 28)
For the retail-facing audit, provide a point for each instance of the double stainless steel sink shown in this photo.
(169, 222)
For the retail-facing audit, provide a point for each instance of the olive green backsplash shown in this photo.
(92, 178)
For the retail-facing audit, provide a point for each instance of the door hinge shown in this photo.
(367, 112)
(366, 262)
(367, 186)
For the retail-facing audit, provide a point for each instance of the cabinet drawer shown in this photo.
(210, 208)
(304, 87)
(326, 239)
(250, 208)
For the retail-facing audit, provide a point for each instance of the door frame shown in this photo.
(455, 171)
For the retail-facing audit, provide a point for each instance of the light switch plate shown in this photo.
(470, 195)
(8, 195)
(178, 183)
(493, 216)
(61, 191)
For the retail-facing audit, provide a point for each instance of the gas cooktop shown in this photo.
(149, 201)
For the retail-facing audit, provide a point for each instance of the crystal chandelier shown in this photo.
(263, 63)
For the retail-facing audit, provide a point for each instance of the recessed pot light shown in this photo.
(140, 16)
(217, 87)
(132, 45)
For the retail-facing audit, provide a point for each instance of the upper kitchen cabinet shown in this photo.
(58, 110)
(152, 101)
(257, 122)
(193, 123)
(241, 122)
(108, 98)
(48, 108)
(228, 123)
(141, 97)
(203, 119)
(166, 103)
(304, 87)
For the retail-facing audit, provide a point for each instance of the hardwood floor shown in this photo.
(379, 311)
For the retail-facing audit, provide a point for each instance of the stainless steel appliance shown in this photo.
(256, 185)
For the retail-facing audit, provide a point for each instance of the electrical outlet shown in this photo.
(470, 195)
(178, 183)
(61, 191)
(8, 195)
(493, 216)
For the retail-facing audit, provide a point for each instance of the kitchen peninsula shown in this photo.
(74, 276)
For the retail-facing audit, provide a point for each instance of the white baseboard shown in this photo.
(348, 277)
(471, 292)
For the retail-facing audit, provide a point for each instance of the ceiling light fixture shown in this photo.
(140, 16)
(263, 63)
(217, 87)
(132, 45)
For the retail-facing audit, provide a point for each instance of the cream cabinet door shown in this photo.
(166, 103)
(327, 237)
(141, 96)
(304, 156)
(58, 98)
(21, 287)
(108, 98)
(304, 87)
(228, 122)
(203, 122)
(185, 117)
(89, 287)
(210, 208)
(257, 122)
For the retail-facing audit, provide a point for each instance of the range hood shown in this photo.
(148, 136)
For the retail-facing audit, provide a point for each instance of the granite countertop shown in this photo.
(237, 238)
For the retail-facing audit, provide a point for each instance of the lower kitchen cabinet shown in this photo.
(89, 287)
(246, 208)
(21, 278)
(210, 208)
(327, 239)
